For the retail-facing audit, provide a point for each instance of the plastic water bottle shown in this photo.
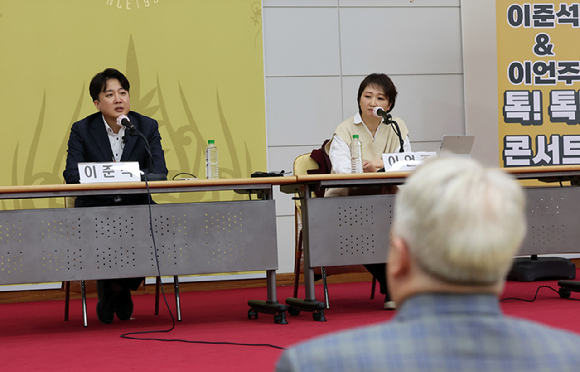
(211, 161)
(356, 155)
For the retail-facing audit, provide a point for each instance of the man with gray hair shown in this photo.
(456, 230)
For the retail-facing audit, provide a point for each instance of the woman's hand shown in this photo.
(372, 166)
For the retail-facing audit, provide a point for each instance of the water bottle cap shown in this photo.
(210, 142)
(354, 136)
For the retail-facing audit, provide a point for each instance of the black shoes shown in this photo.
(113, 301)
(106, 303)
(124, 304)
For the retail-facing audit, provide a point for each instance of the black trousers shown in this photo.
(379, 271)
(118, 200)
(131, 283)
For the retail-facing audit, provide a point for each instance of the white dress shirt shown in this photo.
(117, 141)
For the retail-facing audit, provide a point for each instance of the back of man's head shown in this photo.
(462, 223)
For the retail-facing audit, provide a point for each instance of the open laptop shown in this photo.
(460, 145)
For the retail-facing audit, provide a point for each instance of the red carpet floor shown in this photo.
(34, 337)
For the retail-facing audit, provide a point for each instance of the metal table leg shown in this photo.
(177, 301)
(84, 302)
(309, 303)
(271, 306)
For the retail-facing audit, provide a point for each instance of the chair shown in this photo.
(302, 164)
(69, 202)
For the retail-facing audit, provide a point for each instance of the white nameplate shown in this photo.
(404, 161)
(109, 172)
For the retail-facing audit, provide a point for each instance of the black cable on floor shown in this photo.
(203, 342)
(128, 335)
(536, 295)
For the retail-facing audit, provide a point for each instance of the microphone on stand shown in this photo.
(123, 120)
(380, 113)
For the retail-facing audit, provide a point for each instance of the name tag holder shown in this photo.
(405, 161)
(103, 172)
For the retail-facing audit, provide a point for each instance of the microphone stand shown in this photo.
(389, 120)
(150, 176)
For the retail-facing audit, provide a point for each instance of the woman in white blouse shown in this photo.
(376, 90)
(377, 138)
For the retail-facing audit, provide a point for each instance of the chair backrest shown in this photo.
(304, 163)
(69, 201)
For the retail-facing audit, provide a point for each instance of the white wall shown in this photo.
(480, 75)
(318, 51)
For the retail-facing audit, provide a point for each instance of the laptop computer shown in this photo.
(459, 145)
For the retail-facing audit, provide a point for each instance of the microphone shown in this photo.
(380, 113)
(123, 121)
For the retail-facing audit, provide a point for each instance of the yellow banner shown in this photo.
(195, 66)
(538, 63)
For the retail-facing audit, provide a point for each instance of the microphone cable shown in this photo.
(128, 335)
(184, 173)
(131, 335)
(396, 129)
(536, 295)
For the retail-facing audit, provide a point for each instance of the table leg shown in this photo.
(177, 300)
(271, 306)
(309, 303)
(84, 302)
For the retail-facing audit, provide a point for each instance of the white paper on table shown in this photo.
(403, 161)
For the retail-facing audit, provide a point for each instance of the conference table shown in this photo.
(68, 244)
(353, 230)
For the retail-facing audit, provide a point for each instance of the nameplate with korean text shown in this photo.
(404, 161)
(127, 171)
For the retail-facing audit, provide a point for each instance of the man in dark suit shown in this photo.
(98, 138)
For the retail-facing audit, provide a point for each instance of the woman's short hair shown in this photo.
(99, 82)
(381, 81)
(462, 223)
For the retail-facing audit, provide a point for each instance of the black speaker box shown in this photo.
(534, 268)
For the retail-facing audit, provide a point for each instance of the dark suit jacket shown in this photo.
(89, 142)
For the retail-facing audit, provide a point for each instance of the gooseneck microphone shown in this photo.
(380, 113)
(123, 120)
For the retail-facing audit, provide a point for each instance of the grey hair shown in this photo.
(463, 223)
